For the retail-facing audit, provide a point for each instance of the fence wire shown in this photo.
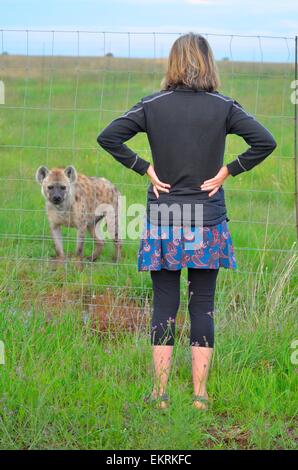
(63, 87)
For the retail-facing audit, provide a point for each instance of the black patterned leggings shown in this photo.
(166, 300)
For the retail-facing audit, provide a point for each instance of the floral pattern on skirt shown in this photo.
(176, 247)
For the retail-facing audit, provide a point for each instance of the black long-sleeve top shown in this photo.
(187, 130)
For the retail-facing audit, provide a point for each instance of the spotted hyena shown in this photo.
(75, 200)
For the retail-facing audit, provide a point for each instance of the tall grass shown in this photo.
(64, 386)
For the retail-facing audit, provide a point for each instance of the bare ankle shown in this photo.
(202, 392)
(157, 391)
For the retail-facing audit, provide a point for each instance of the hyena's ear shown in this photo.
(41, 174)
(71, 173)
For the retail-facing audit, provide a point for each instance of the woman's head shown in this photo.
(191, 63)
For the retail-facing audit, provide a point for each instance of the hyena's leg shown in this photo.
(113, 229)
(57, 238)
(81, 234)
(98, 242)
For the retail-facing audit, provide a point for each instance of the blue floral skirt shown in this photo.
(176, 247)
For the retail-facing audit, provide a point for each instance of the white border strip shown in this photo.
(241, 164)
(134, 162)
(231, 100)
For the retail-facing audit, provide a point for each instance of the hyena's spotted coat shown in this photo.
(75, 200)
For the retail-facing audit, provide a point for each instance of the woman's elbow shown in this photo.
(269, 145)
(273, 144)
(107, 140)
(101, 140)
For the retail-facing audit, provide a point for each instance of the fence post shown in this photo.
(295, 137)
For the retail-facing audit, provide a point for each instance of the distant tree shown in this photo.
(109, 54)
(225, 59)
(4, 53)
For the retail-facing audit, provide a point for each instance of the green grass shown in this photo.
(66, 386)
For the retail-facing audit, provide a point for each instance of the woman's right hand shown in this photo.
(156, 183)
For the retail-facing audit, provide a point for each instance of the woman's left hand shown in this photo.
(215, 183)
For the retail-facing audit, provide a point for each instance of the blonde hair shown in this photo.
(191, 63)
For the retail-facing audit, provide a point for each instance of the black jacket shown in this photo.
(187, 130)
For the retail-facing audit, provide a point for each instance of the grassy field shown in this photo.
(71, 378)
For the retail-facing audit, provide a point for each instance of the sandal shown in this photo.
(202, 400)
(161, 401)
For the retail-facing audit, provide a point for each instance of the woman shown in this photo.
(186, 124)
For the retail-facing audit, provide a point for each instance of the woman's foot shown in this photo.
(201, 401)
(160, 400)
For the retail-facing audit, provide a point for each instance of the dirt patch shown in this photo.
(55, 301)
(232, 436)
(290, 434)
(110, 310)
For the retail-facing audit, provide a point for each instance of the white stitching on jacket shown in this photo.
(241, 164)
(133, 111)
(236, 106)
(239, 107)
(134, 162)
(159, 96)
(141, 107)
(217, 96)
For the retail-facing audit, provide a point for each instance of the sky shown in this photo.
(224, 20)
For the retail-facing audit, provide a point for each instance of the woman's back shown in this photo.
(186, 129)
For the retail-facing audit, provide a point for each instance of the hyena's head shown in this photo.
(56, 184)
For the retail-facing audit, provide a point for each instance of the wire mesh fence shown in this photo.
(60, 88)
